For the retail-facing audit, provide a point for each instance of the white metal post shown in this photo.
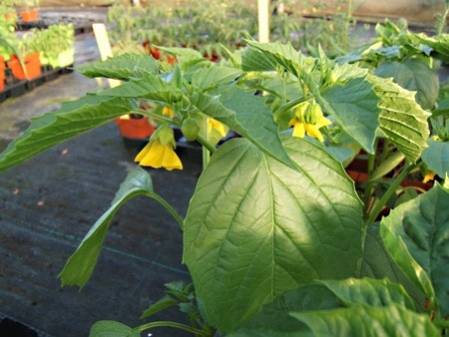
(264, 20)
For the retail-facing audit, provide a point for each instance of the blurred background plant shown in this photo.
(205, 25)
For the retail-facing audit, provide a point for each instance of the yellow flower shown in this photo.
(159, 152)
(168, 112)
(309, 120)
(428, 176)
(220, 128)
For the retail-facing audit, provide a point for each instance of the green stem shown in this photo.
(173, 212)
(205, 157)
(379, 206)
(169, 324)
(209, 146)
(369, 187)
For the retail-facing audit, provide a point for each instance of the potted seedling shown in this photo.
(25, 63)
(28, 10)
(8, 13)
(56, 45)
(6, 42)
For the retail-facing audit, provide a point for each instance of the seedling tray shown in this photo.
(17, 88)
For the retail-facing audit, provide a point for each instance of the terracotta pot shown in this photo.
(29, 15)
(135, 128)
(32, 65)
(2, 74)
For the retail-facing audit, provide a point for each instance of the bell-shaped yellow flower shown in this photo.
(214, 125)
(159, 152)
(309, 119)
(428, 176)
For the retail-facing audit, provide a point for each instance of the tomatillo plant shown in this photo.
(278, 239)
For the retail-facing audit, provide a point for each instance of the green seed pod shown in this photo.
(190, 129)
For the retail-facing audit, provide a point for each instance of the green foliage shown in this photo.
(276, 237)
(392, 321)
(112, 329)
(413, 75)
(436, 157)
(296, 215)
(53, 128)
(80, 265)
(121, 67)
(416, 237)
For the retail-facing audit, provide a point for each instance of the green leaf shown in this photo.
(266, 56)
(248, 115)
(254, 60)
(378, 264)
(388, 165)
(416, 235)
(439, 44)
(401, 119)
(212, 77)
(183, 54)
(112, 329)
(274, 319)
(81, 264)
(354, 106)
(149, 87)
(256, 228)
(436, 157)
(164, 303)
(413, 75)
(357, 321)
(372, 292)
(123, 67)
(56, 127)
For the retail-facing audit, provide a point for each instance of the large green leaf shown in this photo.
(56, 127)
(112, 329)
(256, 228)
(413, 75)
(372, 292)
(378, 264)
(149, 87)
(274, 319)
(248, 115)
(354, 106)
(401, 119)
(436, 157)
(267, 56)
(419, 228)
(211, 77)
(358, 321)
(123, 67)
(81, 264)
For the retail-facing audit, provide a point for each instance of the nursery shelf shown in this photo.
(80, 27)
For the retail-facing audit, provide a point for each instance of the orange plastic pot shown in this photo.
(2, 74)
(29, 15)
(32, 65)
(135, 128)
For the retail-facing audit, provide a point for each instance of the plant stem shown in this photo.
(369, 186)
(209, 146)
(170, 324)
(173, 212)
(205, 157)
(378, 207)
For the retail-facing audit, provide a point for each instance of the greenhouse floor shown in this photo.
(48, 204)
